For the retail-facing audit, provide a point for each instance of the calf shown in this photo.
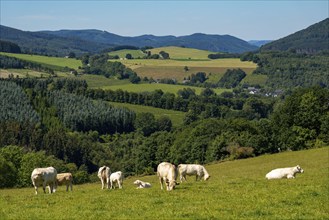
(117, 178)
(288, 173)
(43, 177)
(64, 178)
(140, 184)
(192, 169)
(104, 173)
(167, 173)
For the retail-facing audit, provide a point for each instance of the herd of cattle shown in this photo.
(166, 172)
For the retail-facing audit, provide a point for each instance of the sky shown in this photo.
(248, 20)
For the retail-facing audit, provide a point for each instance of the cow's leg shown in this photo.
(119, 183)
(102, 183)
(290, 176)
(71, 185)
(181, 178)
(36, 190)
(44, 187)
(67, 187)
(161, 182)
(107, 183)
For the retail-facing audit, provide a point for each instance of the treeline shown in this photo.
(99, 65)
(9, 47)
(288, 69)
(82, 114)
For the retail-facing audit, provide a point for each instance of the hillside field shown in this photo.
(52, 61)
(176, 117)
(236, 190)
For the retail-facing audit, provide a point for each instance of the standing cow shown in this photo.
(116, 178)
(64, 178)
(104, 175)
(43, 177)
(167, 173)
(192, 169)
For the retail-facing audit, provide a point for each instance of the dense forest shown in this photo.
(61, 122)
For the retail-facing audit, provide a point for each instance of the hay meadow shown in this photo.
(236, 190)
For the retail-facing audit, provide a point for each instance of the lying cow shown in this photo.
(44, 177)
(167, 173)
(288, 173)
(141, 185)
(192, 169)
(116, 179)
(104, 175)
(64, 178)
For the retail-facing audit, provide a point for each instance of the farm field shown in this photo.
(53, 61)
(21, 73)
(176, 117)
(147, 87)
(236, 190)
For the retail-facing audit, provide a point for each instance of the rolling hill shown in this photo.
(47, 44)
(216, 43)
(311, 40)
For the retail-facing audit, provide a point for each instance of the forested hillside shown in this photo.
(311, 40)
(46, 44)
(62, 127)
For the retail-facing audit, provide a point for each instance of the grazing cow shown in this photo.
(288, 173)
(43, 177)
(141, 185)
(104, 175)
(167, 173)
(192, 169)
(64, 178)
(117, 178)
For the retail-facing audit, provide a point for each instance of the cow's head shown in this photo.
(206, 177)
(172, 185)
(299, 169)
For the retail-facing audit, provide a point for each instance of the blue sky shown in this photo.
(248, 20)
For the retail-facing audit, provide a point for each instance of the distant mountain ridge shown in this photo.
(82, 41)
(311, 40)
(215, 43)
(259, 43)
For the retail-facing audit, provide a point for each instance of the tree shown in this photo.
(71, 55)
(186, 68)
(128, 56)
(146, 123)
(164, 123)
(8, 177)
(164, 55)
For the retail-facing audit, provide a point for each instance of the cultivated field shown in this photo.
(52, 61)
(236, 190)
(149, 87)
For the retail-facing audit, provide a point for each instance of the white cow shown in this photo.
(117, 178)
(288, 173)
(43, 177)
(104, 173)
(167, 173)
(64, 178)
(140, 184)
(192, 169)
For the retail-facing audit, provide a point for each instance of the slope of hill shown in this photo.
(311, 40)
(236, 190)
(259, 43)
(216, 43)
(47, 44)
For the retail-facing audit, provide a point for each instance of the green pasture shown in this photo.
(149, 87)
(22, 73)
(176, 117)
(183, 53)
(174, 69)
(236, 190)
(122, 53)
(52, 61)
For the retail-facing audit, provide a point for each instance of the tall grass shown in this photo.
(236, 190)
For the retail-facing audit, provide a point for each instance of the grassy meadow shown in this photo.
(148, 87)
(52, 61)
(236, 190)
(176, 117)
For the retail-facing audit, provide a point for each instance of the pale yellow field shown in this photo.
(182, 53)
